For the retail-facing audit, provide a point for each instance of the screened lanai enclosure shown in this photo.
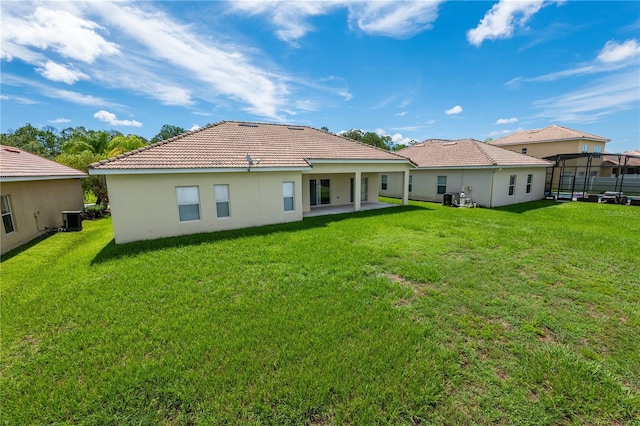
(594, 177)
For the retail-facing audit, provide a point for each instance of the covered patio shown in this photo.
(347, 208)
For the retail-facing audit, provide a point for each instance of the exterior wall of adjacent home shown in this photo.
(38, 205)
(145, 206)
(547, 149)
(485, 187)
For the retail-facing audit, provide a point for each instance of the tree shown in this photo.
(43, 142)
(167, 132)
(121, 144)
(370, 138)
(97, 185)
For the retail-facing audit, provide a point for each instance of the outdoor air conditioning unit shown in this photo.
(72, 220)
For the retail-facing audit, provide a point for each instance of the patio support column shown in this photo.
(357, 191)
(405, 188)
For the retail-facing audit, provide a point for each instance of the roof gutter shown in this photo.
(4, 179)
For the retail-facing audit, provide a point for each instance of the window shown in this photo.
(7, 217)
(288, 196)
(442, 184)
(523, 151)
(383, 181)
(597, 148)
(410, 183)
(364, 189)
(512, 184)
(188, 203)
(529, 183)
(222, 200)
(585, 147)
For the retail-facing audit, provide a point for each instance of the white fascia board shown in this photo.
(36, 178)
(211, 170)
(506, 166)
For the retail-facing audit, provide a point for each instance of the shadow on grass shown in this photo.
(113, 251)
(16, 251)
(526, 207)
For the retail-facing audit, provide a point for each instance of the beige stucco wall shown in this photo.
(547, 149)
(486, 187)
(145, 206)
(37, 205)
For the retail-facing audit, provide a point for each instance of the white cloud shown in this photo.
(616, 52)
(616, 92)
(58, 30)
(75, 97)
(194, 127)
(385, 17)
(500, 21)
(64, 73)
(507, 120)
(393, 18)
(60, 121)
(18, 99)
(396, 138)
(455, 110)
(111, 118)
(401, 114)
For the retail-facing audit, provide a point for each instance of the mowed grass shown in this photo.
(421, 314)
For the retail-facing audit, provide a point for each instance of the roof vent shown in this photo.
(17, 151)
(247, 124)
(449, 143)
(295, 128)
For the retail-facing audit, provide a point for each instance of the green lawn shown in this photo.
(411, 315)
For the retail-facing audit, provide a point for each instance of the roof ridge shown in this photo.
(483, 151)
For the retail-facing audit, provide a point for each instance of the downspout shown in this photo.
(493, 171)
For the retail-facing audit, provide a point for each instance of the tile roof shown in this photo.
(17, 164)
(633, 159)
(227, 143)
(547, 134)
(436, 153)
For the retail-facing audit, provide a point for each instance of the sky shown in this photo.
(412, 70)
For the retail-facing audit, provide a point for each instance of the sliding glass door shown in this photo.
(320, 192)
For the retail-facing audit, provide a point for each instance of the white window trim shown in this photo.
(9, 212)
(227, 200)
(178, 203)
(292, 196)
(512, 186)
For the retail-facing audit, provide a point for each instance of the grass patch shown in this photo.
(419, 314)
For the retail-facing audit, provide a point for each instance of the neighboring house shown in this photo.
(550, 141)
(488, 175)
(235, 175)
(34, 193)
(627, 163)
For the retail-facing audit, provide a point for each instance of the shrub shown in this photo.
(95, 211)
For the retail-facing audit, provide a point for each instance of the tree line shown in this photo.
(78, 147)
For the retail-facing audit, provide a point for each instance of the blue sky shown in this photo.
(411, 70)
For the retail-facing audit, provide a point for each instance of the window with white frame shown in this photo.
(410, 183)
(383, 182)
(585, 147)
(222, 201)
(523, 151)
(188, 203)
(7, 216)
(512, 184)
(597, 149)
(442, 184)
(288, 192)
(529, 183)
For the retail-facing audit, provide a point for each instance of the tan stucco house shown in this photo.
(550, 141)
(34, 193)
(232, 175)
(487, 175)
